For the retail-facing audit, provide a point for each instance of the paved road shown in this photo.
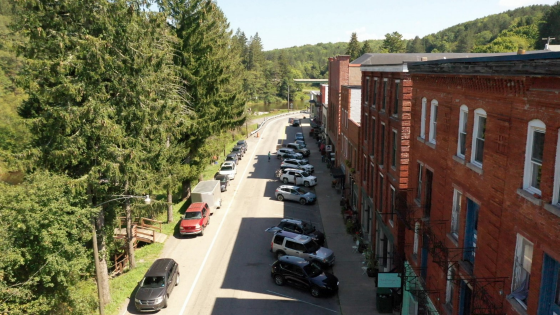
(227, 271)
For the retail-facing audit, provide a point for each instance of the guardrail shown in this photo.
(270, 118)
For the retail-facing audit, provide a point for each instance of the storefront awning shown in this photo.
(337, 172)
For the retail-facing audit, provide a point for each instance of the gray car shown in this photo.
(294, 193)
(154, 289)
(292, 244)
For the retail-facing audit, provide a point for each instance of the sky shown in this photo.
(289, 23)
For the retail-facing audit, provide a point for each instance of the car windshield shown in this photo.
(305, 174)
(311, 247)
(307, 228)
(299, 190)
(230, 158)
(312, 270)
(193, 215)
(223, 179)
(153, 282)
(226, 168)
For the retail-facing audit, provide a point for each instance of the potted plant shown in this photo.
(371, 263)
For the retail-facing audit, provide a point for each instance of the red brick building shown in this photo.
(484, 172)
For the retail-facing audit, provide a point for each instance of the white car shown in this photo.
(283, 151)
(228, 168)
(298, 177)
(298, 164)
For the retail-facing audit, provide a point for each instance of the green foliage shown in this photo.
(415, 46)
(365, 48)
(353, 49)
(44, 228)
(550, 26)
(393, 43)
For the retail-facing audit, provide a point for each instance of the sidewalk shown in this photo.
(357, 291)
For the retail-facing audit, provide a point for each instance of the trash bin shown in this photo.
(384, 300)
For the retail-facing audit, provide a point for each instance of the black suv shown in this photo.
(239, 151)
(234, 157)
(303, 274)
(299, 227)
(154, 289)
(243, 143)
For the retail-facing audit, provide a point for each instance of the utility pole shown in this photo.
(288, 97)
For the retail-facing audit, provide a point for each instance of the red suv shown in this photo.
(195, 220)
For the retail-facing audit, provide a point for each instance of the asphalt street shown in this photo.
(227, 271)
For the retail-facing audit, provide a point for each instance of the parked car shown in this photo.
(298, 148)
(234, 157)
(301, 143)
(291, 244)
(299, 164)
(224, 181)
(299, 227)
(294, 193)
(156, 286)
(239, 151)
(303, 274)
(283, 151)
(195, 219)
(228, 168)
(298, 177)
(243, 144)
(295, 156)
(299, 136)
(296, 123)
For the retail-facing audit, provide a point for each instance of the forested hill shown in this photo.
(502, 32)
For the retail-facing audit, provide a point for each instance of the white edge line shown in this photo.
(216, 236)
(289, 297)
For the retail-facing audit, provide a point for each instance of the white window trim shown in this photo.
(449, 285)
(394, 149)
(534, 125)
(416, 237)
(423, 119)
(457, 212)
(393, 205)
(477, 114)
(462, 129)
(433, 121)
(556, 194)
(518, 248)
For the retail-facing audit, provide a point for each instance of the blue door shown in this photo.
(465, 302)
(425, 248)
(549, 300)
(471, 231)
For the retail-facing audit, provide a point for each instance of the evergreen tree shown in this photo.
(365, 48)
(393, 43)
(353, 49)
(550, 26)
(465, 43)
(415, 46)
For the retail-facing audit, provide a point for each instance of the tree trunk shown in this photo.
(169, 204)
(185, 190)
(130, 236)
(103, 275)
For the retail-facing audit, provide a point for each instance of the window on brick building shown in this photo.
(364, 169)
(382, 146)
(372, 145)
(462, 141)
(522, 270)
(393, 206)
(381, 208)
(419, 187)
(556, 194)
(372, 180)
(549, 295)
(394, 149)
(534, 156)
(479, 136)
(396, 104)
(374, 101)
(423, 119)
(365, 127)
(450, 287)
(366, 96)
(456, 213)
(384, 100)
(433, 121)
(416, 237)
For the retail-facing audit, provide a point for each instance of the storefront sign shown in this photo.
(388, 280)
(328, 148)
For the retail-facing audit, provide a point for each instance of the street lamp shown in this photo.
(147, 200)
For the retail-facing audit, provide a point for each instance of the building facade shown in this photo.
(483, 211)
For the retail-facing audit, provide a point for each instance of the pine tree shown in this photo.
(393, 43)
(353, 49)
(365, 48)
(415, 46)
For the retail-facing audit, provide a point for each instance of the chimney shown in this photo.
(521, 51)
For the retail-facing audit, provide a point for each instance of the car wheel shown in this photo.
(208, 222)
(280, 197)
(315, 292)
(306, 184)
(166, 298)
(177, 282)
(278, 157)
(285, 180)
(280, 254)
(279, 280)
(202, 232)
(302, 201)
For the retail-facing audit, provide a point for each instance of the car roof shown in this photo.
(293, 169)
(160, 267)
(237, 147)
(289, 186)
(295, 236)
(294, 260)
(220, 176)
(228, 163)
(196, 206)
(232, 154)
(241, 141)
